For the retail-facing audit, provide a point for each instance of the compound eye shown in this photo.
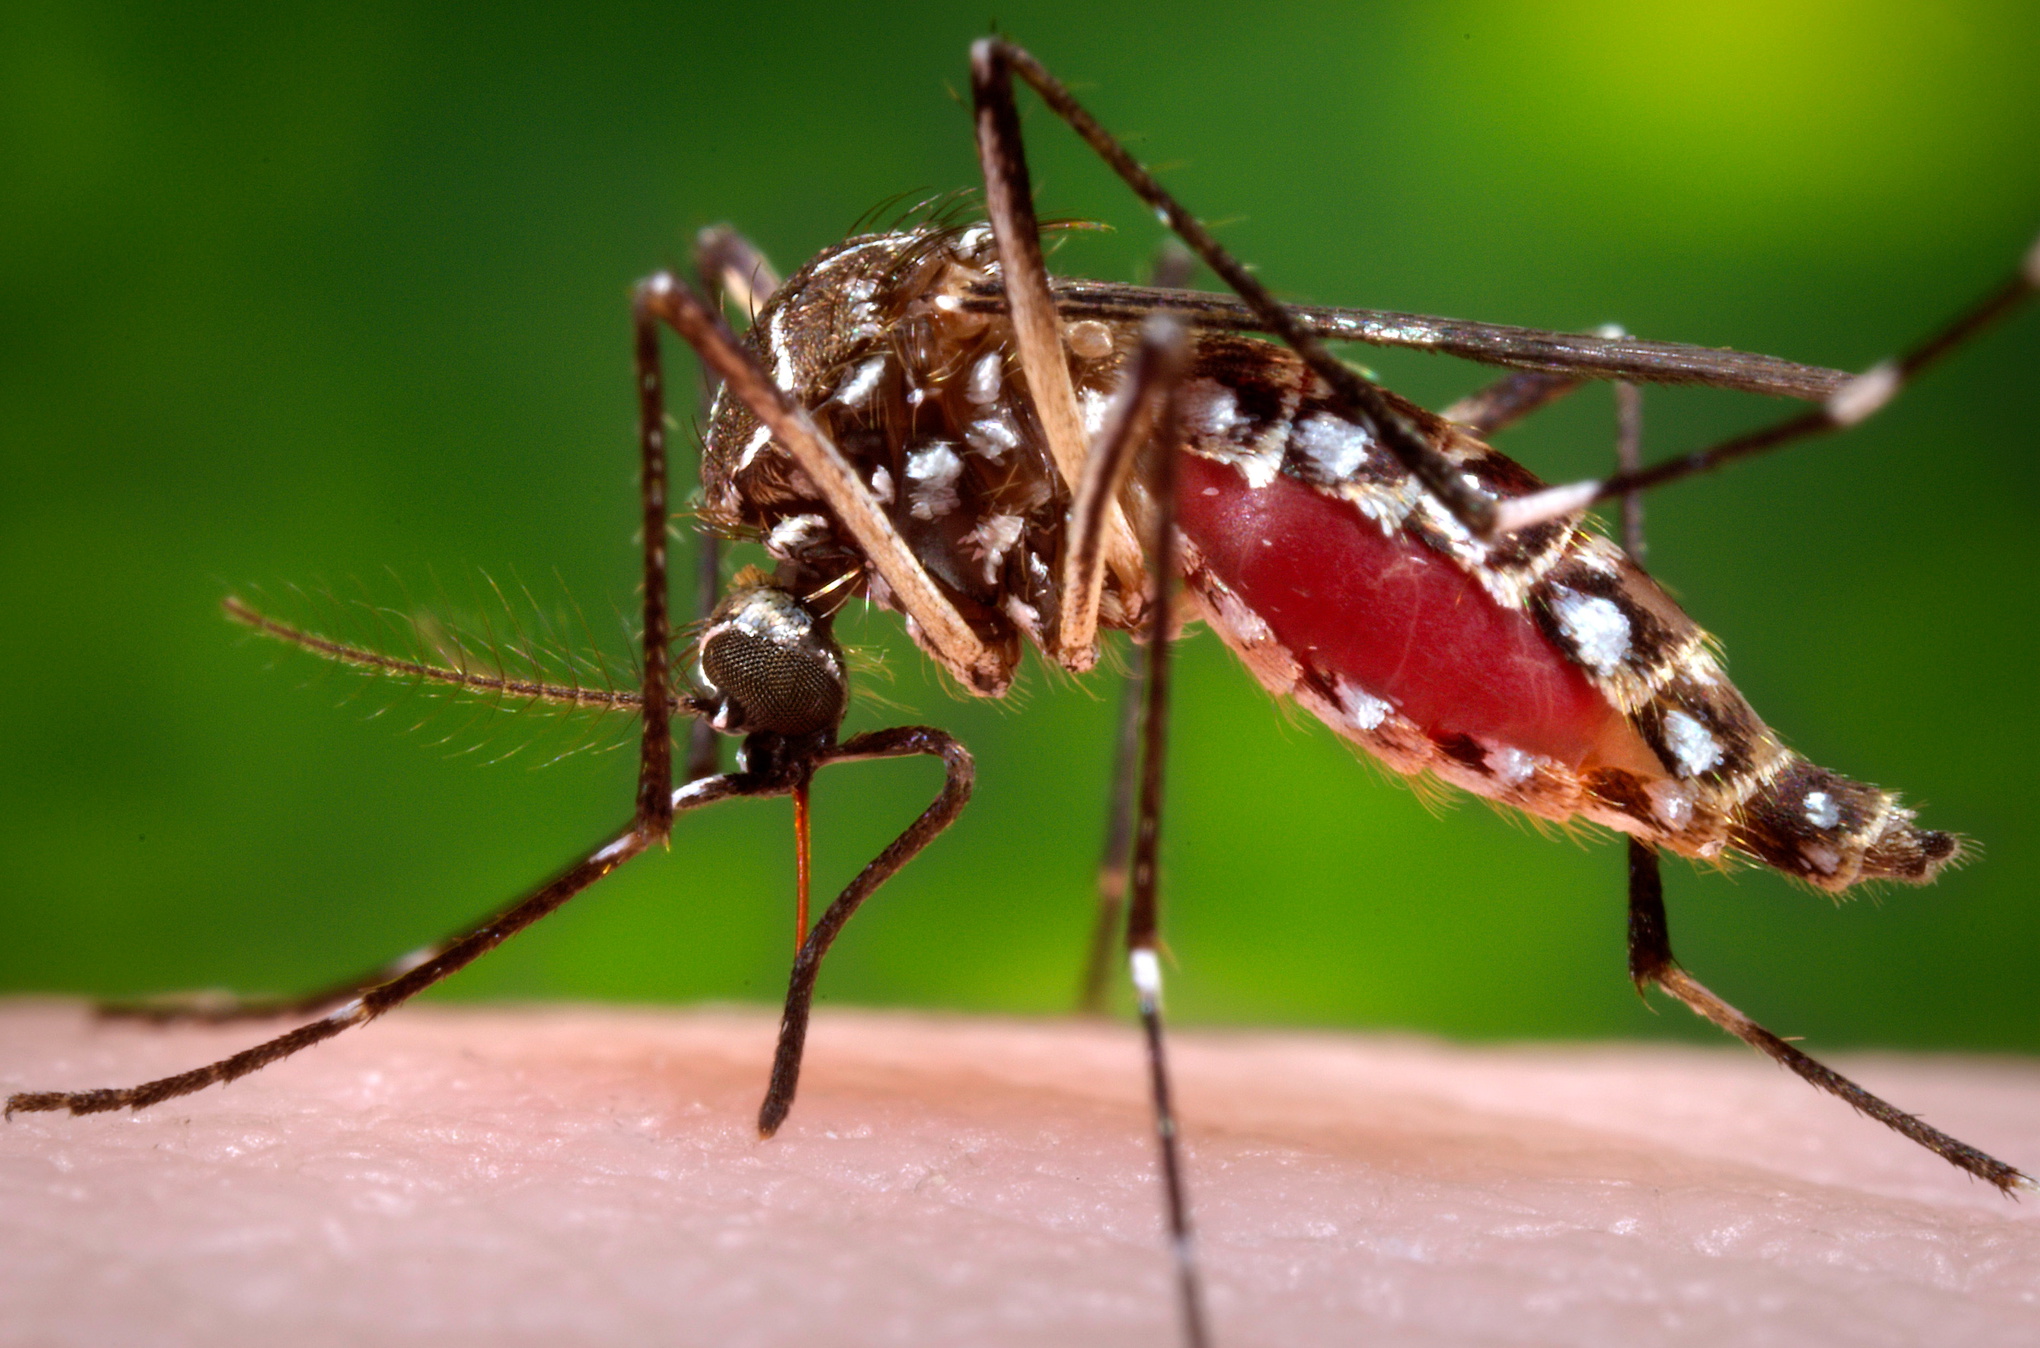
(772, 666)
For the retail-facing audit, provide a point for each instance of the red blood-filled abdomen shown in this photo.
(1389, 614)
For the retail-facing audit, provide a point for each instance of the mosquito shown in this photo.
(923, 418)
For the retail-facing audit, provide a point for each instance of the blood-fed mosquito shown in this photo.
(922, 418)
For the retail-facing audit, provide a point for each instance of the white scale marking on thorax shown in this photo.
(793, 533)
(759, 439)
(986, 378)
(1093, 405)
(857, 386)
(782, 352)
(992, 436)
(994, 537)
(931, 475)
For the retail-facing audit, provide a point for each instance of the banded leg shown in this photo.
(733, 270)
(1854, 402)
(1651, 962)
(655, 758)
(1129, 426)
(1143, 918)
(1134, 421)
(993, 63)
(1173, 265)
(1115, 859)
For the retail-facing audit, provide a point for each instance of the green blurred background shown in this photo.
(319, 298)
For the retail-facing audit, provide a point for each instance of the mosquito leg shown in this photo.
(1510, 399)
(731, 267)
(445, 959)
(1151, 381)
(1855, 401)
(1009, 205)
(735, 268)
(994, 60)
(1628, 454)
(1156, 369)
(1173, 266)
(1650, 944)
(672, 301)
(217, 1009)
(207, 1008)
(1651, 961)
(1116, 857)
(704, 741)
(1171, 270)
(1515, 396)
(959, 774)
(1143, 918)
(655, 760)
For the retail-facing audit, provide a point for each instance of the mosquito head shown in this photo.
(770, 665)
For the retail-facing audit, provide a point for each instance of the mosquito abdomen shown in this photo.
(1546, 671)
(1831, 832)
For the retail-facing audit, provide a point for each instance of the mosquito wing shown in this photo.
(1582, 355)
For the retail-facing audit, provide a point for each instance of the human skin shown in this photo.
(583, 1176)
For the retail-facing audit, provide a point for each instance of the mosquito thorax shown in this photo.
(769, 665)
(924, 395)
